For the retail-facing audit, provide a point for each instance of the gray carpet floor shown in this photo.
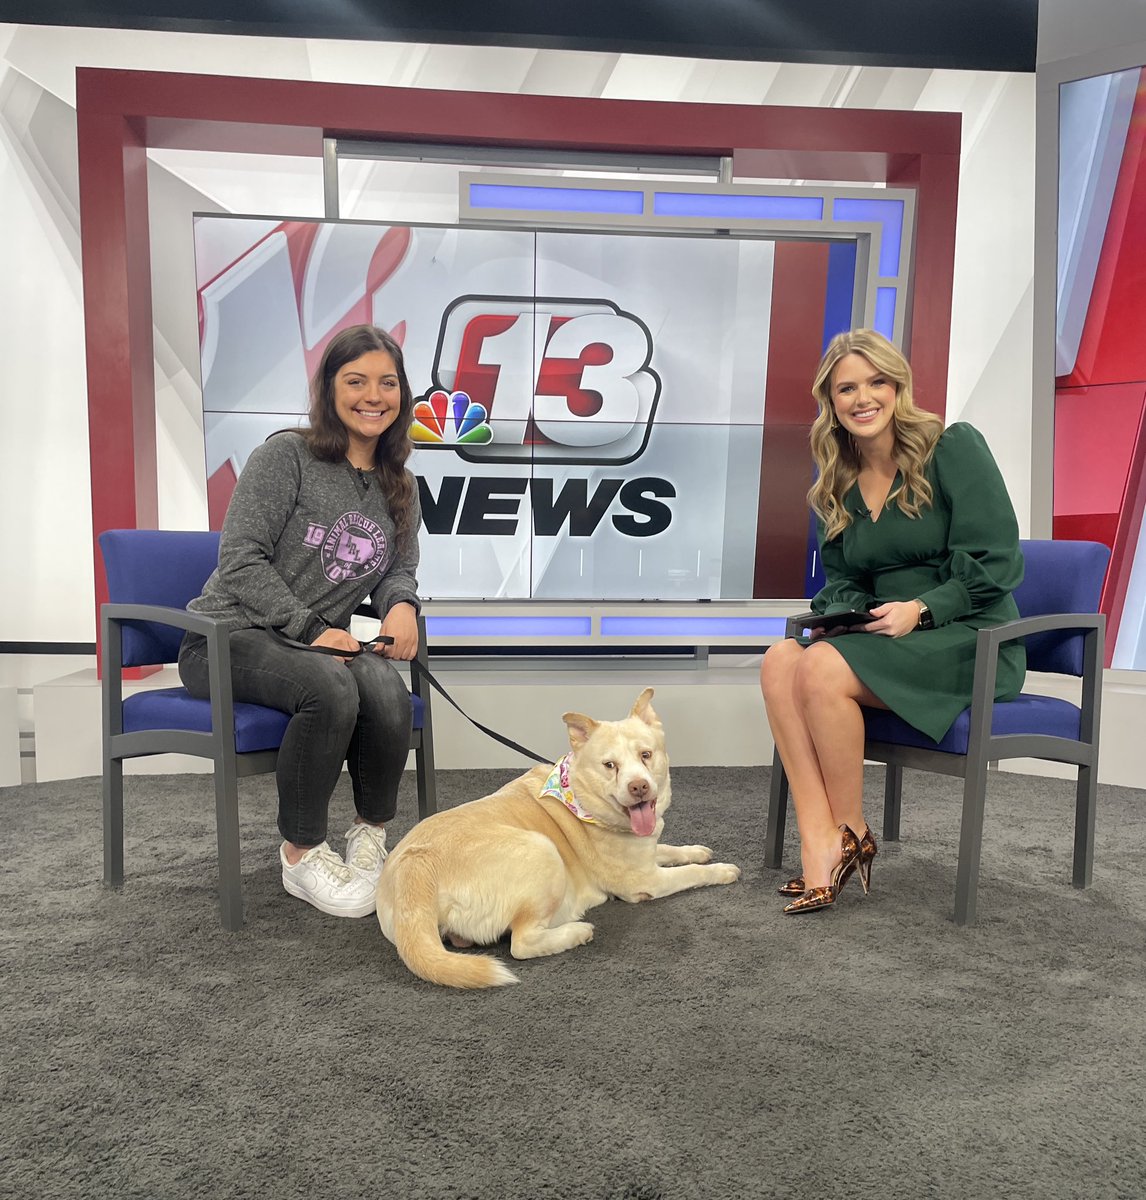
(701, 1046)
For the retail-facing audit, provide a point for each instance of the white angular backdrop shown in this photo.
(44, 480)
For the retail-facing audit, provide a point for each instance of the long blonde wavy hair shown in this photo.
(916, 432)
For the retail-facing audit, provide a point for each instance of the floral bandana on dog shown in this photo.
(557, 786)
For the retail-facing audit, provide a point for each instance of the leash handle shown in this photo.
(382, 639)
(424, 672)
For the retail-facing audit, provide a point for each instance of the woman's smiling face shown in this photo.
(368, 396)
(864, 399)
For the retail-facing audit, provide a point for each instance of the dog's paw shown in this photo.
(675, 856)
(536, 941)
(581, 931)
(726, 872)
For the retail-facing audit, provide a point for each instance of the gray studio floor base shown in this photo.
(701, 1046)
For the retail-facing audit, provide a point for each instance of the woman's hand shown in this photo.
(895, 618)
(401, 624)
(338, 639)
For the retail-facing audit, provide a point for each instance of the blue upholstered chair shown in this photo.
(151, 575)
(1064, 634)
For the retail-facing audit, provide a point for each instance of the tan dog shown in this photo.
(534, 856)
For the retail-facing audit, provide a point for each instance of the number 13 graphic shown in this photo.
(550, 393)
(561, 380)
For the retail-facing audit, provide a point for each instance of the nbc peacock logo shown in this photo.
(450, 419)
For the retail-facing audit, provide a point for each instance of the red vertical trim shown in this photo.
(795, 344)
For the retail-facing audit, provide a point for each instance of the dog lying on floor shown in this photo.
(536, 855)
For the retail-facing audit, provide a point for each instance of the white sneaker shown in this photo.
(321, 878)
(366, 849)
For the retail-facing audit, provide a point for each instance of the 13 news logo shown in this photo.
(539, 379)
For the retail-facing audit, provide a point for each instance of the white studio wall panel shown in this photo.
(44, 474)
(990, 374)
(44, 458)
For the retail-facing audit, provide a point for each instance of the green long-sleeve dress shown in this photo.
(961, 557)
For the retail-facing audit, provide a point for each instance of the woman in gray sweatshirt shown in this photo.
(322, 518)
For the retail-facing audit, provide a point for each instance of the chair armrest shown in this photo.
(217, 634)
(996, 635)
(989, 641)
(160, 614)
(114, 616)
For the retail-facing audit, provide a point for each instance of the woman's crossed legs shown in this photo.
(813, 702)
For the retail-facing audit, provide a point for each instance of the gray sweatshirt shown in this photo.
(304, 544)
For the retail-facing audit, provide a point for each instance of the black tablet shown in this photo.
(844, 620)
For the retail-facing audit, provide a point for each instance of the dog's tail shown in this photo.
(416, 933)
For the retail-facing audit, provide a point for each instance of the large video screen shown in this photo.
(1100, 354)
(590, 406)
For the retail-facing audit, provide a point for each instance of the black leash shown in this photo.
(424, 672)
(415, 665)
(363, 647)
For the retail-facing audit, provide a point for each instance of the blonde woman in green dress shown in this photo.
(916, 529)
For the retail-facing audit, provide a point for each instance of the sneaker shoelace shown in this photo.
(367, 847)
(326, 862)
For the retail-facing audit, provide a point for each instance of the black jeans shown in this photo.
(358, 713)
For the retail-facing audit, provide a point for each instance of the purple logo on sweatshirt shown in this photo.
(354, 548)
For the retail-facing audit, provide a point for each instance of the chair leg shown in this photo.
(892, 799)
(1086, 802)
(777, 814)
(227, 831)
(113, 822)
(970, 840)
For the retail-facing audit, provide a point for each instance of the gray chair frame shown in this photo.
(218, 745)
(983, 748)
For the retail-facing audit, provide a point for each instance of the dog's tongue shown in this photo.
(643, 818)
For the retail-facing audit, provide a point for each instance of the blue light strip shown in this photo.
(840, 293)
(885, 311)
(888, 213)
(716, 206)
(752, 629)
(503, 627)
(749, 208)
(555, 199)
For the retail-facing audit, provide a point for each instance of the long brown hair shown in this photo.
(327, 436)
(916, 432)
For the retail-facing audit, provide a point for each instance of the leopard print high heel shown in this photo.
(818, 898)
(868, 851)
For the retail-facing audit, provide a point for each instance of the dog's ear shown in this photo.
(580, 728)
(643, 709)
